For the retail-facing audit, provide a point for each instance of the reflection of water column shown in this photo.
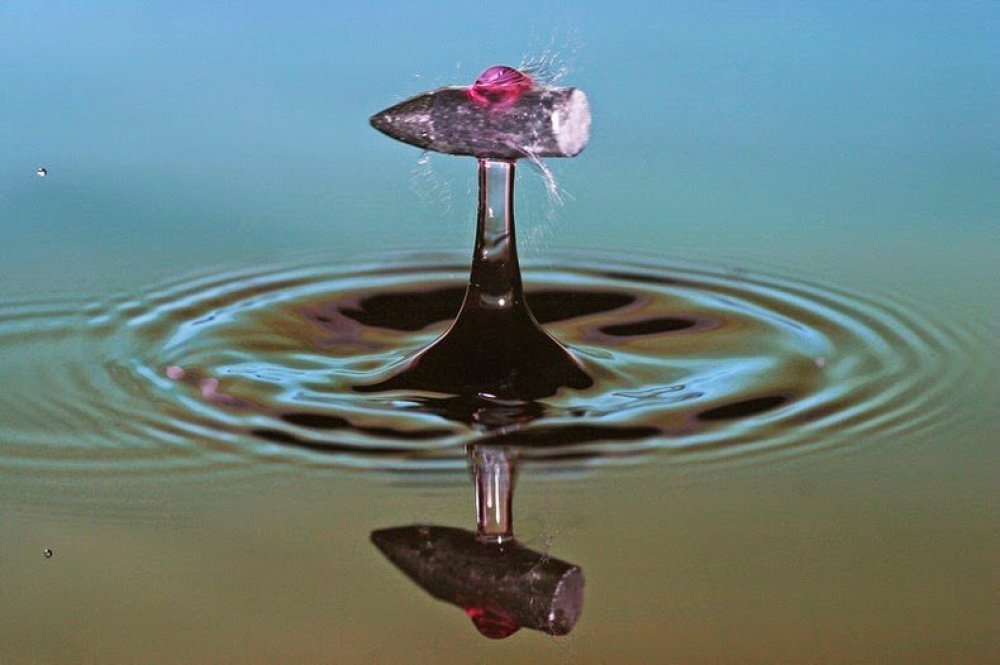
(500, 584)
(494, 474)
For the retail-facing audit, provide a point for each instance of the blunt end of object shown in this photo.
(571, 124)
(567, 603)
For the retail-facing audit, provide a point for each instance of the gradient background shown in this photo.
(816, 134)
(852, 143)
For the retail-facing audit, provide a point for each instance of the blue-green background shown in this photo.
(854, 144)
(186, 134)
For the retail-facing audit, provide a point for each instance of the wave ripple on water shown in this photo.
(236, 369)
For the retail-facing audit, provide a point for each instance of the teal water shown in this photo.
(849, 147)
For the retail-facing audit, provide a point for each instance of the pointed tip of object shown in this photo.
(387, 123)
(407, 121)
(389, 540)
(402, 544)
(380, 121)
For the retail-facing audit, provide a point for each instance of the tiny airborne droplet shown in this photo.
(41, 172)
(47, 552)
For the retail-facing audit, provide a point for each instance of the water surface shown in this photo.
(810, 182)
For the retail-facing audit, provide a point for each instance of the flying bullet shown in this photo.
(501, 116)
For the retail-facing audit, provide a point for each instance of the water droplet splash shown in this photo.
(550, 62)
(499, 86)
(491, 624)
(495, 349)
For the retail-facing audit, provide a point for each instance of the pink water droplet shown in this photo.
(491, 624)
(499, 85)
(209, 388)
(820, 362)
(174, 372)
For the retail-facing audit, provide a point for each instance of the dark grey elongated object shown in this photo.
(529, 589)
(544, 121)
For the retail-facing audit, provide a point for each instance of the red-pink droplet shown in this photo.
(499, 85)
(491, 624)
(209, 388)
(174, 372)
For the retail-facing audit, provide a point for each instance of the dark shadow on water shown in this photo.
(480, 413)
(743, 408)
(410, 311)
(569, 435)
(648, 327)
(490, 352)
(327, 422)
(331, 447)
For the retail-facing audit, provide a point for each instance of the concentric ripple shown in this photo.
(229, 370)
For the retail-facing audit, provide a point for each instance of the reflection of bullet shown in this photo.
(540, 122)
(501, 587)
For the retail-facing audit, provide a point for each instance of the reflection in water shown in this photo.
(494, 474)
(500, 584)
(501, 587)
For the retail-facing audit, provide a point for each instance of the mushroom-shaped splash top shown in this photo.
(503, 115)
(495, 348)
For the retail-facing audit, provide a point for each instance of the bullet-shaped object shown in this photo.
(501, 587)
(542, 121)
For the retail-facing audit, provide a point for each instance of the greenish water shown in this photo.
(848, 148)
